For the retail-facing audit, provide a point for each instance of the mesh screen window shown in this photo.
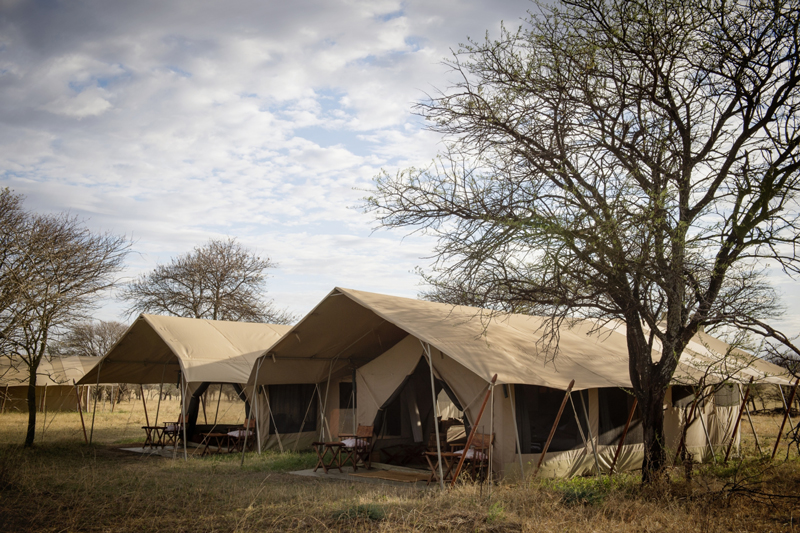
(727, 395)
(289, 404)
(537, 408)
(346, 398)
(615, 405)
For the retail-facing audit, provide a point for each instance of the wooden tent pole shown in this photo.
(80, 410)
(44, 397)
(624, 434)
(738, 419)
(5, 397)
(203, 401)
(472, 431)
(144, 404)
(785, 416)
(553, 429)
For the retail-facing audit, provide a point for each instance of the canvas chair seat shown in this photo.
(246, 433)
(472, 453)
(476, 459)
(361, 448)
(172, 434)
(353, 443)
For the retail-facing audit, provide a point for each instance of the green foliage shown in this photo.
(370, 511)
(588, 490)
(496, 513)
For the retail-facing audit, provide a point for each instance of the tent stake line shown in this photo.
(427, 349)
(624, 434)
(788, 406)
(80, 410)
(553, 429)
(689, 421)
(472, 432)
(738, 419)
(144, 404)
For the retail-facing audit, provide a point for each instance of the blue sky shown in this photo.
(172, 122)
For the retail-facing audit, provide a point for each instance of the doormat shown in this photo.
(394, 475)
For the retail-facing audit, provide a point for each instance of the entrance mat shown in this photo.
(394, 475)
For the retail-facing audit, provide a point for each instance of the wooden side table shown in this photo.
(335, 450)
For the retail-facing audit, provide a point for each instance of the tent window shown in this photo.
(289, 404)
(392, 418)
(615, 404)
(726, 396)
(346, 398)
(682, 396)
(537, 408)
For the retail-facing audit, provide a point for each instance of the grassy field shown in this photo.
(64, 485)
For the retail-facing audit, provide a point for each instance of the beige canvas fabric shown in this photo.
(384, 337)
(54, 371)
(157, 348)
(54, 383)
(356, 325)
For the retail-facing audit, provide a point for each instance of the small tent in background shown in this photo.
(192, 352)
(379, 349)
(54, 383)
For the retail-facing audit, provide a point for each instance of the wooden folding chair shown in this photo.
(477, 459)
(172, 434)
(237, 437)
(358, 447)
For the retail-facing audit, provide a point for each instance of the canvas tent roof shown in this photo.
(351, 327)
(157, 348)
(54, 371)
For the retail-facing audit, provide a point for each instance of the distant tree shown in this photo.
(622, 160)
(221, 280)
(56, 269)
(89, 339)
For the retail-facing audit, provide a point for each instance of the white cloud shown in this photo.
(175, 121)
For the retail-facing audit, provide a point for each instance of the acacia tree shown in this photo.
(221, 280)
(56, 269)
(622, 159)
(90, 338)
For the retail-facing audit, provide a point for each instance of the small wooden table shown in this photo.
(449, 462)
(220, 440)
(154, 436)
(322, 449)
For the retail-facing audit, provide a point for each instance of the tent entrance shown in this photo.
(406, 418)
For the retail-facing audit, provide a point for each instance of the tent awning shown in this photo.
(161, 347)
(357, 326)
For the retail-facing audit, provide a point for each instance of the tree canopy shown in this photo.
(221, 280)
(52, 272)
(624, 160)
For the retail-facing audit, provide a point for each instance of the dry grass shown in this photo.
(64, 485)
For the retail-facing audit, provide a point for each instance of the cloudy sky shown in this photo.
(172, 122)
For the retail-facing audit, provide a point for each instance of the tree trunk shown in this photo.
(655, 454)
(649, 381)
(31, 409)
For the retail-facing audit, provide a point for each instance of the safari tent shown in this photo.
(379, 350)
(191, 352)
(54, 383)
